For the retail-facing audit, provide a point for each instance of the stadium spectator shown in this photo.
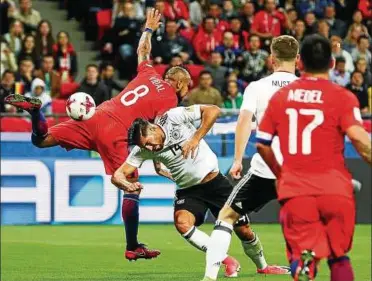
(25, 74)
(358, 19)
(234, 98)
(361, 51)
(172, 44)
(5, 7)
(323, 28)
(44, 40)
(292, 17)
(298, 30)
(233, 76)
(107, 72)
(315, 6)
(38, 91)
(65, 57)
(351, 39)
(176, 61)
(287, 4)
(14, 37)
(361, 66)
(176, 10)
(254, 60)
(28, 16)
(228, 10)
(229, 51)
(215, 12)
(337, 26)
(310, 23)
(217, 71)
(160, 6)
(51, 77)
(8, 59)
(6, 87)
(357, 87)
(29, 50)
(247, 15)
(337, 51)
(204, 93)
(207, 39)
(93, 86)
(119, 10)
(365, 7)
(269, 23)
(339, 75)
(241, 37)
(197, 11)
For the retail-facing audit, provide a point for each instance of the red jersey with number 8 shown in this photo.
(146, 96)
(310, 116)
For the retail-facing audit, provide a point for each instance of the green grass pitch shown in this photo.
(93, 253)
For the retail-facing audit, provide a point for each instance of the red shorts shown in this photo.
(324, 224)
(100, 133)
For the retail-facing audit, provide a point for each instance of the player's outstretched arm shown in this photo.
(209, 114)
(268, 156)
(361, 141)
(242, 134)
(161, 172)
(119, 179)
(144, 46)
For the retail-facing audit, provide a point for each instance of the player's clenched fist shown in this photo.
(190, 148)
(236, 170)
(153, 19)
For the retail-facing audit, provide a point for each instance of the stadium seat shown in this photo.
(103, 22)
(59, 106)
(67, 89)
(195, 70)
(15, 124)
(160, 68)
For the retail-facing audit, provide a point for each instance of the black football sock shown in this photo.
(130, 214)
(39, 126)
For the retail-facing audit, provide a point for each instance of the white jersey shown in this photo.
(178, 127)
(256, 99)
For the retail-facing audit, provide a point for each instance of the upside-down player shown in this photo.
(147, 96)
(311, 116)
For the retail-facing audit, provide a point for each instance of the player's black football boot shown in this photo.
(141, 252)
(306, 268)
(23, 102)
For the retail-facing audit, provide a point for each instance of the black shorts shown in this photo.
(252, 193)
(200, 198)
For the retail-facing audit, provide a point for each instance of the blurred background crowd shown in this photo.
(223, 43)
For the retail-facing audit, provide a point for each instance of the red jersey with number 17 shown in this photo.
(310, 116)
(146, 96)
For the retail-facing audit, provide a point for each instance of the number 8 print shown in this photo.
(137, 93)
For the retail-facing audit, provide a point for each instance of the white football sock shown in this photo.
(254, 250)
(217, 248)
(198, 239)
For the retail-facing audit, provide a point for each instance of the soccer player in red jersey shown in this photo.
(147, 96)
(311, 117)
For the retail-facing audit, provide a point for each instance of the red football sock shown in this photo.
(130, 216)
(341, 269)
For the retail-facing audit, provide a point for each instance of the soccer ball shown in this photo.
(80, 106)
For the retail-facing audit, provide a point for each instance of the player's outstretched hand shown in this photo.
(190, 148)
(153, 19)
(236, 170)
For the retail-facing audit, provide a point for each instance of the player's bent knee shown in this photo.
(244, 232)
(227, 214)
(183, 221)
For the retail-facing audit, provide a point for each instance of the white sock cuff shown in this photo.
(224, 226)
(189, 233)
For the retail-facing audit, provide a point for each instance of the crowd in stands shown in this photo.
(223, 43)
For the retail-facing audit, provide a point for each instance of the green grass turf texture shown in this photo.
(89, 252)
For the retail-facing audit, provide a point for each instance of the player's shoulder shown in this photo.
(344, 96)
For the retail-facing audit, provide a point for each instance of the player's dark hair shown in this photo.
(91, 65)
(316, 54)
(205, 72)
(136, 130)
(6, 72)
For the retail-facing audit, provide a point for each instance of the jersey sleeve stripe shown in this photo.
(264, 136)
(263, 141)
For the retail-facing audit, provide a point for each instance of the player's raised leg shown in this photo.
(40, 136)
(185, 223)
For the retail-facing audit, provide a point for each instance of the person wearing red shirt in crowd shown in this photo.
(365, 6)
(176, 10)
(314, 185)
(146, 96)
(215, 11)
(65, 57)
(241, 37)
(269, 23)
(207, 39)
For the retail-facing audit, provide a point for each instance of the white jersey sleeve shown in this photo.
(185, 114)
(136, 157)
(250, 98)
